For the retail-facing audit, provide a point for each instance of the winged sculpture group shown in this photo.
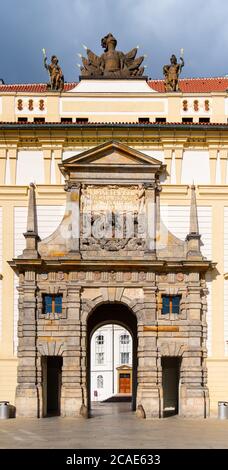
(112, 63)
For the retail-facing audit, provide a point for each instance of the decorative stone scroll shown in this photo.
(113, 218)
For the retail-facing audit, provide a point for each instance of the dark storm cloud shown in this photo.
(159, 27)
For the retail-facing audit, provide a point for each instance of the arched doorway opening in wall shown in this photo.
(112, 357)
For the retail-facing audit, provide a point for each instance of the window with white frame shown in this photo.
(124, 357)
(100, 358)
(124, 349)
(99, 342)
(100, 381)
(99, 339)
(124, 339)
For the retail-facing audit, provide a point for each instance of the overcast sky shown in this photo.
(159, 27)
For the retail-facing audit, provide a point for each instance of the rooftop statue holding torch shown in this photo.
(171, 72)
(55, 73)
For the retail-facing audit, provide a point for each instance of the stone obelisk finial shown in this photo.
(194, 225)
(31, 235)
(193, 237)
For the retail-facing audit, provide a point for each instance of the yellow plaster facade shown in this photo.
(121, 109)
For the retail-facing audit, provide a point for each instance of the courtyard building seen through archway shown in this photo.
(123, 379)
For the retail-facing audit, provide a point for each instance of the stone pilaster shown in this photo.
(3, 157)
(47, 154)
(12, 153)
(148, 393)
(168, 161)
(27, 394)
(223, 164)
(150, 206)
(213, 155)
(178, 162)
(158, 215)
(58, 161)
(194, 397)
(84, 366)
(71, 393)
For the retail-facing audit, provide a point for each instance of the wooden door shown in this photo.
(125, 383)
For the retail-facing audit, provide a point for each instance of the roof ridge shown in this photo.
(22, 84)
(33, 84)
(190, 78)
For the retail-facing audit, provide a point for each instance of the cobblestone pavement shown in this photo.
(113, 426)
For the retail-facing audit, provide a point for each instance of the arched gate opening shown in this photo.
(113, 313)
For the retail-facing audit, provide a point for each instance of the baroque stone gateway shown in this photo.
(112, 260)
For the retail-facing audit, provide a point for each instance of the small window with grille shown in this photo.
(124, 339)
(160, 120)
(52, 303)
(82, 120)
(204, 120)
(99, 339)
(22, 120)
(171, 304)
(66, 120)
(39, 120)
(144, 120)
(124, 357)
(187, 120)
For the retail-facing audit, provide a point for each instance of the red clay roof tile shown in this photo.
(31, 87)
(195, 85)
(187, 85)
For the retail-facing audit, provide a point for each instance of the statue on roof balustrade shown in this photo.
(171, 73)
(55, 73)
(112, 63)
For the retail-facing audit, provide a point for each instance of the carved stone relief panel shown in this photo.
(134, 293)
(112, 218)
(52, 276)
(180, 277)
(162, 278)
(98, 277)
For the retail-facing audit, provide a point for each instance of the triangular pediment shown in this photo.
(111, 153)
